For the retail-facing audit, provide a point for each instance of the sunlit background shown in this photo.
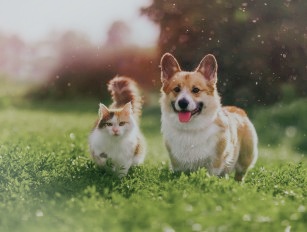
(56, 58)
(35, 21)
(76, 47)
(32, 31)
(71, 49)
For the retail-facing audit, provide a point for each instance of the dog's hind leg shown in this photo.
(248, 152)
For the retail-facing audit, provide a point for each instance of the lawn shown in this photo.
(49, 183)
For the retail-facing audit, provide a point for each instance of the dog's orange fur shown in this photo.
(223, 138)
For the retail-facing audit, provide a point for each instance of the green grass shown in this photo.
(48, 182)
(284, 123)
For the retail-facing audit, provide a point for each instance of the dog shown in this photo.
(199, 132)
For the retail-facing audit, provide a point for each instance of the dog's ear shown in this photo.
(169, 66)
(208, 68)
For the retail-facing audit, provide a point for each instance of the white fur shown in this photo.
(120, 149)
(191, 144)
(219, 139)
(184, 94)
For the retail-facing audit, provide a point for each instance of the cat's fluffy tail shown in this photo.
(124, 90)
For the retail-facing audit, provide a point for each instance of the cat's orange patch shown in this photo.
(137, 148)
(123, 116)
(124, 90)
(126, 106)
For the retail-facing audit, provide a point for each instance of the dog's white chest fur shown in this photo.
(198, 131)
(189, 149)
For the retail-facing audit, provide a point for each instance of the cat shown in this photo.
(116, 135)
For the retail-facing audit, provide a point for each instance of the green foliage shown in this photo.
(49, 183)
(259, 45)
(283, 123)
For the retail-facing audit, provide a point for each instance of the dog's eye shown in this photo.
(177, 89)
(195, 90)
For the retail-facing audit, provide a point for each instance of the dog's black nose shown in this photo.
(183, 103)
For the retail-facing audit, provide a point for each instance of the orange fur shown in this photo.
(222, 139)
(236, 110)
(124, 90)
(116, 135)
(188, 81)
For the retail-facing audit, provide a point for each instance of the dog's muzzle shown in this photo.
(185, 115)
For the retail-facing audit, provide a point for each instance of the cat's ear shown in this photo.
(127, 109)
(103, 110)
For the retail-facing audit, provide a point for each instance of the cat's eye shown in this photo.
(109, 124)
(195, 90)
(122, 123)
(177, 89)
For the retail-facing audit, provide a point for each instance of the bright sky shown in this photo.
(35, 19)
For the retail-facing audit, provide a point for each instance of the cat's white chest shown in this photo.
(119, 150)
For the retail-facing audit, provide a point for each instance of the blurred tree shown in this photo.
(259, 44)
(118, 34)
(84, 70)
(13, 50)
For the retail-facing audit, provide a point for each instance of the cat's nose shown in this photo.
(115, 130)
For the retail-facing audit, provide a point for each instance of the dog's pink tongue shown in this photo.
(184, 116)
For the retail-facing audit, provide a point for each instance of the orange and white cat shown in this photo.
(197, 130)
(117, 135)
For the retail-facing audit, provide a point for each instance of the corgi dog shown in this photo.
(197, 130)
